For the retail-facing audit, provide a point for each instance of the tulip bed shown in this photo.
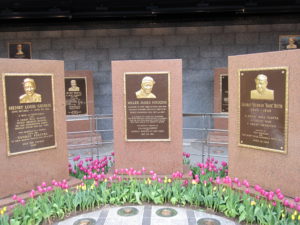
(208, 187)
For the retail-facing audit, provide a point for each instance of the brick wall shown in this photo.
(201, 49)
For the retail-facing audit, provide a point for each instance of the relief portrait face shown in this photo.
(147, 86)
(261, 85)
(29, 88)
(73, 83)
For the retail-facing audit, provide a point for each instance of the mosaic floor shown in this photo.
(147, 215)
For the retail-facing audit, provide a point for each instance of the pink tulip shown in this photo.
(76, 158)
(297, 199)
(247, 191)
(32, 193)
(14, 197)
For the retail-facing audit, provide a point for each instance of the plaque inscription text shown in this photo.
(147, 106)
(29, 113)
(263, 108)
(76, 103)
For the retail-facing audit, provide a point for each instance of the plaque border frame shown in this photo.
(169, 106)
(286, 35)
(86, 98)
(285, 110)
(19, 42)
(221, 76)
(3, 75)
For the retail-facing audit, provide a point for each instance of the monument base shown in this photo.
(85, 140)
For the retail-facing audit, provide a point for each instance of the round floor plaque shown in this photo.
(166, 212)
(85, 221)
(208, 221)
(128, 211)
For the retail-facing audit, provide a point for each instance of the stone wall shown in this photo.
(201, 49)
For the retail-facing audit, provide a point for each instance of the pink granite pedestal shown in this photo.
(163, 157)
(269, 169)
(23, 172)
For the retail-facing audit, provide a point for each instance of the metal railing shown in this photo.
(199, 134)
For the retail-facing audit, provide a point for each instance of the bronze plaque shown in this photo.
(29, 112)
(263, 106)
(76, 103)
(224, 92)
(147, 101)
(19, 50)
(289, 42)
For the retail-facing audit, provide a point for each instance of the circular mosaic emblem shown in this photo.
(208, 221)
(128, 211)
(166, 212)
(85, 221)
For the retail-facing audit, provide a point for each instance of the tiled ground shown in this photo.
(147, 215)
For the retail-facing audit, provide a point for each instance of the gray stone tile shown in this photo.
(163, 31)
(141, 31)
(108, 42)
(187, 52)
(247, 38)
(130, 42)
(235, 28)
(164, 53)
(223, 221)
(85, 43)
(188, 30)
(51, 34)
(70, 221)
(223, 39)
(211, 29)
(152, 41)
(198, 40)
(175, 40)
